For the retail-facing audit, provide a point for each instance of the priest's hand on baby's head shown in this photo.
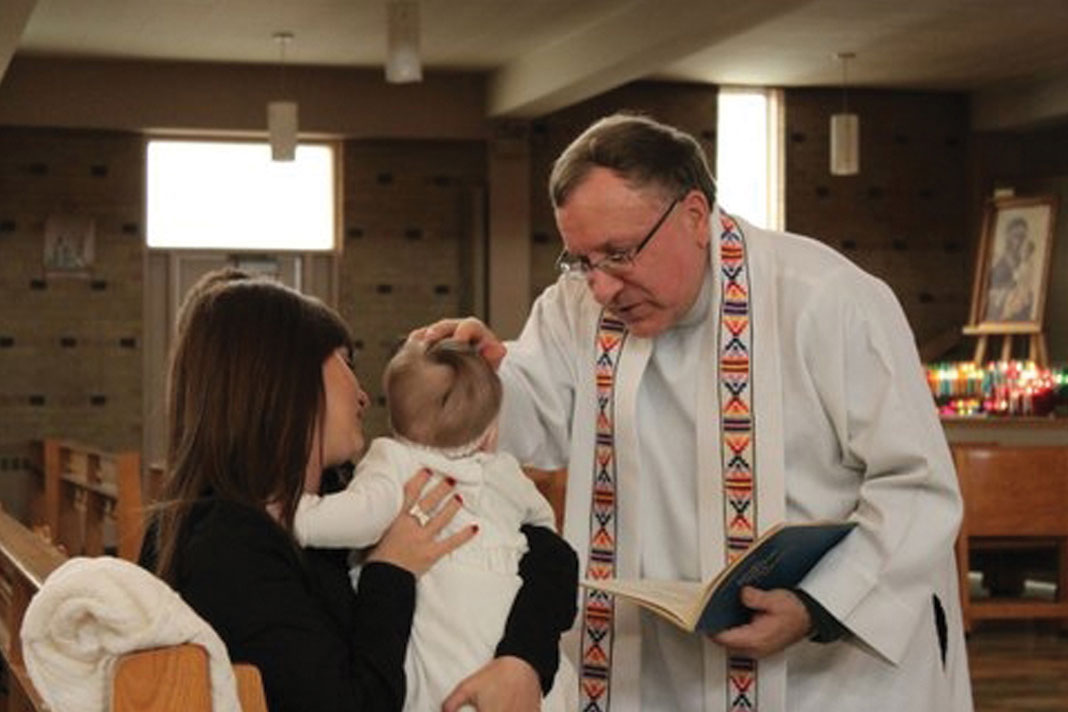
(468, 329)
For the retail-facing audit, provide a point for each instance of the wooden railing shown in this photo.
(82, 487)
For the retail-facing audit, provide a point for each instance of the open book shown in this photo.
(780, 558)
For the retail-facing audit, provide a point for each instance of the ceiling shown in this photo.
(540, 55)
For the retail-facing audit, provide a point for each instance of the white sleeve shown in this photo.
(536, 509)
(861, 357)
(358, 515)
(539, 378)
(539, 511)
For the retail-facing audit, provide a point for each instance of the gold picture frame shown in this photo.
(1012, 266)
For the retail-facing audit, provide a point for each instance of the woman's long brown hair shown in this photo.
(245, 392)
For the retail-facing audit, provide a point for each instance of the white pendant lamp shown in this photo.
(282, 114)
(403, 64)
(845, 131)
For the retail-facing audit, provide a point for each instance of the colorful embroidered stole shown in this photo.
(598, 607)
(737, 432)
(739, 480)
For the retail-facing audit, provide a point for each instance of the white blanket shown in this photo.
(89, 612)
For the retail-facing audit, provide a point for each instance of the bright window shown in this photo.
(231, 195)
(749, 154)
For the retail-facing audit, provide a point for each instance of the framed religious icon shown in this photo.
(1012, 269)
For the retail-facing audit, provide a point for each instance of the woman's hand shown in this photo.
(413, 545)
(470, 330)
(504, 684)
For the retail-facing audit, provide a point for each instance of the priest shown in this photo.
(702, 379)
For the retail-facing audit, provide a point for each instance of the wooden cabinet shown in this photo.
(1015, 499)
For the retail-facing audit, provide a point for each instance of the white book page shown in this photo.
(680, 599)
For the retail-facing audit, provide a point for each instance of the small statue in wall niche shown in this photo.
(64, 253)
(68, 244)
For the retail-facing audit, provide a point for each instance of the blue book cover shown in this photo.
(780, 558)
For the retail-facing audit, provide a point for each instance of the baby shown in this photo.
(443, 402)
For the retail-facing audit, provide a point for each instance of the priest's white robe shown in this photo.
(852, 433)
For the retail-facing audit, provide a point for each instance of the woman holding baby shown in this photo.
(262, 401)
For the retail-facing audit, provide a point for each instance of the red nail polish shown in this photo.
(451, 481)
(474, 528)
(459, 498)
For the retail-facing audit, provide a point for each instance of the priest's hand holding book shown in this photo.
(779, 621)
(751, 606)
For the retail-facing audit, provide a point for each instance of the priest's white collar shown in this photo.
(699, 310)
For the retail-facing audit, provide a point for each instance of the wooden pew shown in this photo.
(164, 679)
(84, 486)
(26, 560)
(175, 679)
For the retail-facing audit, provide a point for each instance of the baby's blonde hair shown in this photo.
(443, 395)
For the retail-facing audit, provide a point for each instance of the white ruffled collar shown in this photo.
(450, 453)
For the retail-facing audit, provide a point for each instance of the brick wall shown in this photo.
(408, 245)
(905, 217)
(70, 346)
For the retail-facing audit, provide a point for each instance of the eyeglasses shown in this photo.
(614, 263)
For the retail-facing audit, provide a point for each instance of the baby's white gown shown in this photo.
(463, 601)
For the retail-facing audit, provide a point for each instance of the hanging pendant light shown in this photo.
(845, 131)
(282, 114)
(403, 64)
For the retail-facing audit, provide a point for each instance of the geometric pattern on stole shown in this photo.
(737, 433)
(598, 608)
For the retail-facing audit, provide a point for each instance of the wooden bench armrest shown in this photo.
(176, 679)
(250, 688)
